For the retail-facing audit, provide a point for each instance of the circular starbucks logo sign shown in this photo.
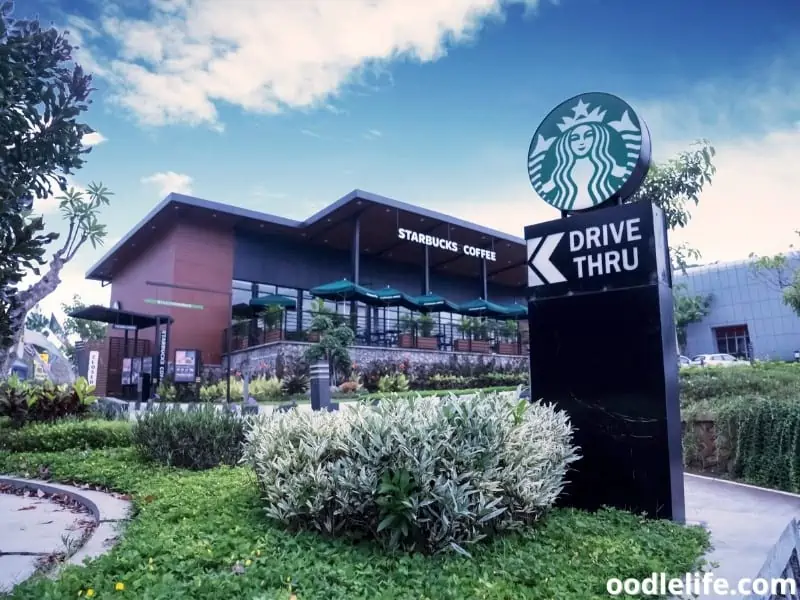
(588, 150)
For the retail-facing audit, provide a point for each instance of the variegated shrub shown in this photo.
(423, 474)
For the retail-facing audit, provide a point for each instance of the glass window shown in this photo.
(265, 289)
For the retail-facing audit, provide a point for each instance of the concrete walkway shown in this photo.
(745, 523)
(44, 524)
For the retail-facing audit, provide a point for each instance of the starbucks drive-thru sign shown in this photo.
(600, 314)
(590, 149)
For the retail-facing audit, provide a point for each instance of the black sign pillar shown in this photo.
(603, 349)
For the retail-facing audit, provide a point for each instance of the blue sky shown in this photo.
(285, 106)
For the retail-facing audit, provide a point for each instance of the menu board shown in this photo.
(185, 366)
(136, 369)
(147, 365)
(126, 371)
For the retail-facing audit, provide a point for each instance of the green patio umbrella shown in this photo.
(516, 311)
(389, 296)
(345, 291)
(274, 300)
(429, 303)
(483, 308)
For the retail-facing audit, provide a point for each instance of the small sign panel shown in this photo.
(590, 149)
(126, 371)
(185, 366)
(94, 365)
(596, 251)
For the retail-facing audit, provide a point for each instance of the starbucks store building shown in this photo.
(217, 273)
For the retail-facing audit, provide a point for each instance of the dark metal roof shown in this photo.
(103, 314)
(331, 227)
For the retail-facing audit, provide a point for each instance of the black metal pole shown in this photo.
(484, 280)
(426, 272)
(228, 364)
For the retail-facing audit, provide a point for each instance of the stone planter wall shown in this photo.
(271, 356)
(701, 449)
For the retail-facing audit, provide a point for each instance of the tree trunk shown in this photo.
(26, 300)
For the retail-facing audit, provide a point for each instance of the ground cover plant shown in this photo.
(428, 475)
(203, 535)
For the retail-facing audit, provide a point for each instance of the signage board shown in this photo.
(136, 369)
(147, 365)
(94, 365)
(445, 244)
(590, 149)
(173, 303)
(163, 344)
(126, 371)
(186, 363)
(124, 327)
(596, 251)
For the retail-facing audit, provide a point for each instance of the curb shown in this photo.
(743, 485)
(108, 512)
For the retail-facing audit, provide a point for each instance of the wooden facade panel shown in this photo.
(187, 255)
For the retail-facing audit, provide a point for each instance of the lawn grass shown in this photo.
(202, 535)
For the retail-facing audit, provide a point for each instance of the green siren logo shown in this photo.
(588, 150)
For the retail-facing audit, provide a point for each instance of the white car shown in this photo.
(684, 361)
(717, 360)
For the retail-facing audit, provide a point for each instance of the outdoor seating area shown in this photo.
(384, 317)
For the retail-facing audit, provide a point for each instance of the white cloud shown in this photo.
(93, 139)
(190, 55)
(310, 133)
(372, 134)
(169, 181)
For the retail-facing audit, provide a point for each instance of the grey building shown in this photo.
(748, 317)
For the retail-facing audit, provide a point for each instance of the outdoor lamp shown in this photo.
(797, 356)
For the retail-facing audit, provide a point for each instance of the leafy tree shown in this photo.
(36, 321)
(334, 339)
(688, 309)
(42, 95)
(674, 186)
(780, 272)
(85, 330)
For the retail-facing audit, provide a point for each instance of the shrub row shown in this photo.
(24, 402)
(769, 380)
(67, 434)
(199, 439)
(425, 475)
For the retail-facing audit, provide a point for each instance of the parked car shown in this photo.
(718, 360)
(684, 361)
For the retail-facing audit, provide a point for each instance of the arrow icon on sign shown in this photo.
(540, 268)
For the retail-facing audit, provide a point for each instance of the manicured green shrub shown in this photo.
(264, 389)
(67, 434)
(396, 382)
(424, 474)
(774, 380)
(199, 439)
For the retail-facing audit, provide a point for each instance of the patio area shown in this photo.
(384, 318)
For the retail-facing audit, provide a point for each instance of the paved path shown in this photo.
(745, 523)
(51, 520)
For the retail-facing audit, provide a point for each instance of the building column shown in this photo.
(355, 263)
(426, 272)
(484, 280)
(355, 260)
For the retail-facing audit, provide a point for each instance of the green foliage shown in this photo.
(674, 185)
(199, 439)
(265, 389)
(36, 321)
(23, 402)
(39, 84)
(429, 476)
(705, 386)
(202, 536)
(295, 382)
(395, 382)
(67, 434)
(425, 325)
(273, 316)
(688, 309)
(781, 274)
(84, 330)
(334, 340)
